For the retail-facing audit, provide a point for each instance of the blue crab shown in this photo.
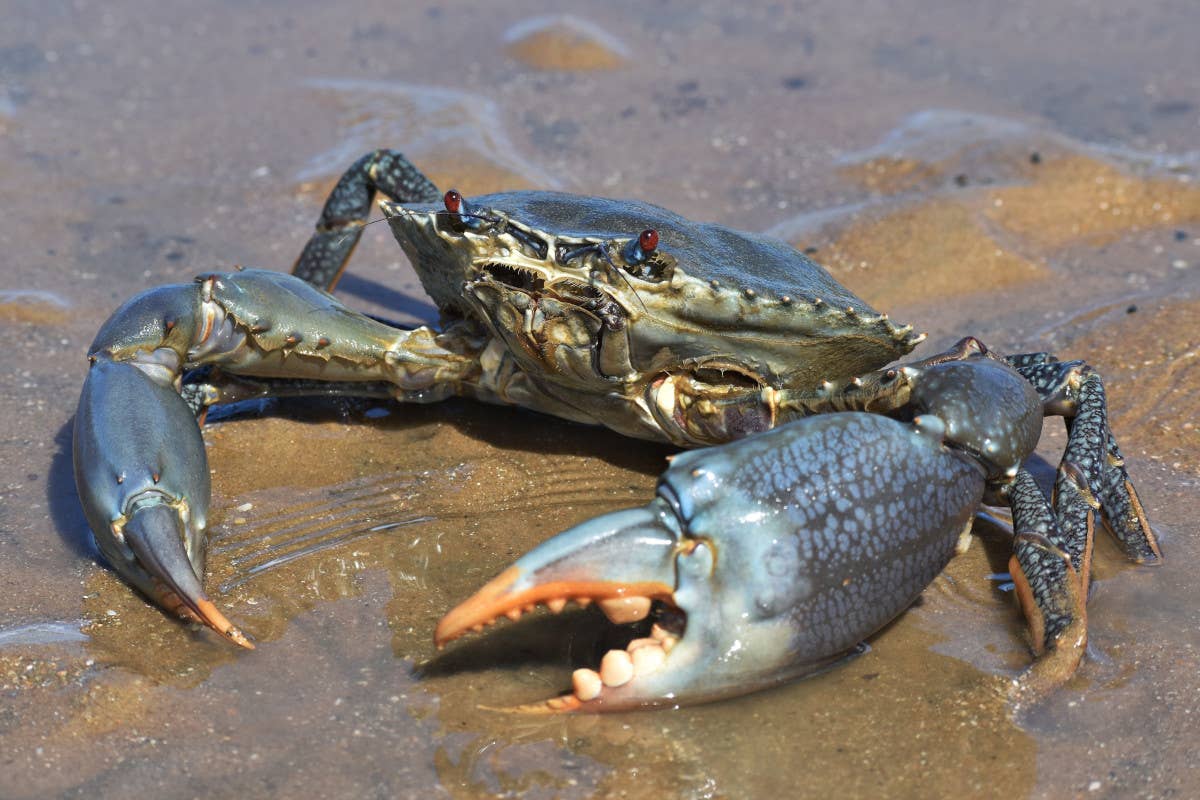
(822, 492)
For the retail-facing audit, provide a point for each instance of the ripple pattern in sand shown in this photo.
(322, 520)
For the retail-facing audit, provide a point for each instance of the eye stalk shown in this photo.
(461, 212)
(641, 248)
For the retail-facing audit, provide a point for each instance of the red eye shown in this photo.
(648, 240)
(453, 201)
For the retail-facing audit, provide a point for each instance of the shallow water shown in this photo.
(1027, 174)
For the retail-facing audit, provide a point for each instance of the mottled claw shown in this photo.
(770, 558)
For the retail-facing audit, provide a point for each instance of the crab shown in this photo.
(820, 493)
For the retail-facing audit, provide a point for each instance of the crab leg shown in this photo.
(1051, 591)
(1052, 551)
(761, 560)
(325, 255)
(139, 458)
(1061, 386)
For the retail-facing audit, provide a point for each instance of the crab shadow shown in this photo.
(417, 307)
(500, 427)
(62, 499)
(576, 638)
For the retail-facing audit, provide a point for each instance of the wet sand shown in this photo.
(1027, 175)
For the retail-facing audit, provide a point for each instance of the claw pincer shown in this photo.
(770, 557)
(139, 458)
(146, 502)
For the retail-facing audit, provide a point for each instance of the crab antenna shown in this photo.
(567, 256)
(620, 272)
(353, 232)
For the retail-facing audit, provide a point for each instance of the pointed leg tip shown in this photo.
(236, 636)
(1052, 670)
(1149, 559)
(211, 616)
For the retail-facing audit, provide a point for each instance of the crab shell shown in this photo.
(546, 270)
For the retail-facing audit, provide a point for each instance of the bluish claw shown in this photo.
(143, 480)
(770, 558)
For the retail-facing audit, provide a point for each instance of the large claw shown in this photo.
(139, 457)
(140, 467)
(772, 557)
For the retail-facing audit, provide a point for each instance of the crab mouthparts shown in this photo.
(621, 603)
(524, 279)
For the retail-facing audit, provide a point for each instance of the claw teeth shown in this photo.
(663, 637)
(620, 610)
(619, 667)
(557, 604)
(586, 684)
(648, 659)
(583, 602)
(513, 613)
(616, 668)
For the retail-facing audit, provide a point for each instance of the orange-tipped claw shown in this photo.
(627, 555)
(514, 590)
(624, 562)
(152, 533)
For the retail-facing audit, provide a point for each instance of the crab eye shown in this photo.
(638, 251)
(648, 240)
(453, 201)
